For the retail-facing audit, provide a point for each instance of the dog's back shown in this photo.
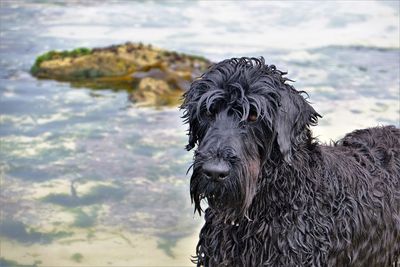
(381, 145)
(377, 152)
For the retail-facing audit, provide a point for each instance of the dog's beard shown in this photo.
(232, 196)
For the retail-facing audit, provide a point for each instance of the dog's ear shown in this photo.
(189, 115)
(293, 117)
(192, 139)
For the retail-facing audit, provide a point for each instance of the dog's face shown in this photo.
(242, 116)
(228, 160)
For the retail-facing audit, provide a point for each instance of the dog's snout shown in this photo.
(216, 170)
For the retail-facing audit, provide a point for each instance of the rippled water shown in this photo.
(89, 179)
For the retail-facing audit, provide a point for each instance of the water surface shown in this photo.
(89, 179)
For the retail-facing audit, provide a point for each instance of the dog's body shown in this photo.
(276, 196)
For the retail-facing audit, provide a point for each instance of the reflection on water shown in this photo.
(16, 230)
(87, 178)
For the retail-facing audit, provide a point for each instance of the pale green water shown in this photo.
(89, 179)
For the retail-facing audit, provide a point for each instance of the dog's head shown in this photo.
(242, 115)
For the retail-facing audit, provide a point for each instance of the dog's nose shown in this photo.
(216, 170)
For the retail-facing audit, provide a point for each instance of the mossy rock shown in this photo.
(155, 92)
(165, 73)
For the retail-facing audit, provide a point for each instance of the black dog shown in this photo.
(276, 196)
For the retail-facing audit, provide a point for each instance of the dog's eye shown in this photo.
(252, 116)
(209, 114)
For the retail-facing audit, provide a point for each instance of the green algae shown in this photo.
(166, 246)
(77, 257)
(87, 74)
(95, 84)
(81, 51)
(183, 55)
(83, 219)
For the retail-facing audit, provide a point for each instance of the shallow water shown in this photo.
(88, 178)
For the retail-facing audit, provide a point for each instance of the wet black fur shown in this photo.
(288, 200)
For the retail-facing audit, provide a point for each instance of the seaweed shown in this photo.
(87, 74)
(52, 54)
(83, 219)
(77, 257)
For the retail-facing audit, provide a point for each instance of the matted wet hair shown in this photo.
(245, 85)
(286, 199)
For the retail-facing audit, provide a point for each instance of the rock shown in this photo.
(154, 74)
(152, 91)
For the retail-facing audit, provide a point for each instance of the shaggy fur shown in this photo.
(277, 197)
